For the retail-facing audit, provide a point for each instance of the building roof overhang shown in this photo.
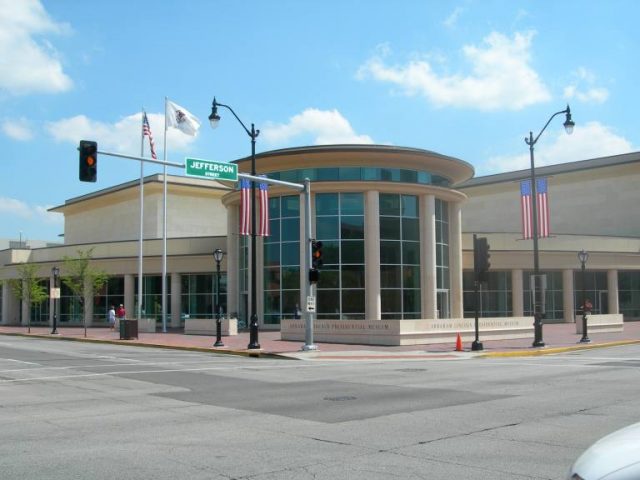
(454, 169)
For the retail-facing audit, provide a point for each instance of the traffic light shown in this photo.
(316, 255)
(314, 275)
(481, 258)
(316, 261)
(88, 161)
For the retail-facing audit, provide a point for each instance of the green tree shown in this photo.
(83, 278)
(27, 288)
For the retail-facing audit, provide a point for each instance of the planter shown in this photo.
(207, 326)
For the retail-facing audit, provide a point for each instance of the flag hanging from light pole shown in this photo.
(146, 131)
(542, 207)
(263, 229)
(245, 207)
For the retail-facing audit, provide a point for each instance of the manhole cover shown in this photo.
(342, 398)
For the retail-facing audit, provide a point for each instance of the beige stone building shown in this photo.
(396, 225)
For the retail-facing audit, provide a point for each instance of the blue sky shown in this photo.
(466, 78)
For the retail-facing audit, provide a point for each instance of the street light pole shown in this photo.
(56, 274)
(218, 256)
(214, 119)
(583, 256)
(537, 287)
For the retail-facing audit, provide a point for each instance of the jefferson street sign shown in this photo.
(195, 167)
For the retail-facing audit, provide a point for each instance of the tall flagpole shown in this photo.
(164, 225)
(140, 240)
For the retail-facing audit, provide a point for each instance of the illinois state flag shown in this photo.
(180, 118)
(542, 207)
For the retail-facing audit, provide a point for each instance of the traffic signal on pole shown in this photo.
(316, 261)
(88, 171)
(316, 255)
(314, 275)
(481, 258)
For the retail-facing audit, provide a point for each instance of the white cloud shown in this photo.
(591, 140)
(26, 64)
(122, 136)
(326, 126)
(18, 129)
(582, 88)
(501, 76)
(22, 210)
(452, 19)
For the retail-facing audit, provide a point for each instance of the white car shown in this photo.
(614, 457)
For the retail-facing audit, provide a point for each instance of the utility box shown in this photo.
(128, 329)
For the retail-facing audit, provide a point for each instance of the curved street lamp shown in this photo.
(537, 289)
(583, 256)
(218, 255)
(214, 119)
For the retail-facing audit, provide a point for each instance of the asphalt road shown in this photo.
(72, 410)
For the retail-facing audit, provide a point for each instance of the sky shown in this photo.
(468, 79)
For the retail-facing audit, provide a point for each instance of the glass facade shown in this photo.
(340, 227)
(399, 256)
(595, 288)
(40, 311)
(198, 293)
(629, 294)
(70, 307)
(152, 297)
(282, 260)
(346, 174)
(553, 304)
(442, 258)
(111, 293)
(496, 297)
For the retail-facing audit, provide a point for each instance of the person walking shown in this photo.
(111, 316)
(121, 313)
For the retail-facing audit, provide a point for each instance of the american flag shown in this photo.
(542, 206)
(245, 207)
(263, 229)
(146, 130)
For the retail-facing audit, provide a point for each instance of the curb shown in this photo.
(239, 353)
(288, 356)
(553, 350)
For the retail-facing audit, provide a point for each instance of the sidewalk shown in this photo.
(557, 337)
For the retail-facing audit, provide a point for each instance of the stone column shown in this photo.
(232, 259)
(52, 302)
(455, 259)
(373, 304)
(10, 305)
(129, 296)
(567, 296)
(612, 286)
(260, 277)
(428, 256)
(4, 314)
(176, 300)
(517, 293)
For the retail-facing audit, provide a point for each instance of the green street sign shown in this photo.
(194, 167)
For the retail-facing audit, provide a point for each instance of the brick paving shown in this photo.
(556, 336)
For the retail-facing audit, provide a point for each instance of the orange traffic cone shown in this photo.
(458, 343)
